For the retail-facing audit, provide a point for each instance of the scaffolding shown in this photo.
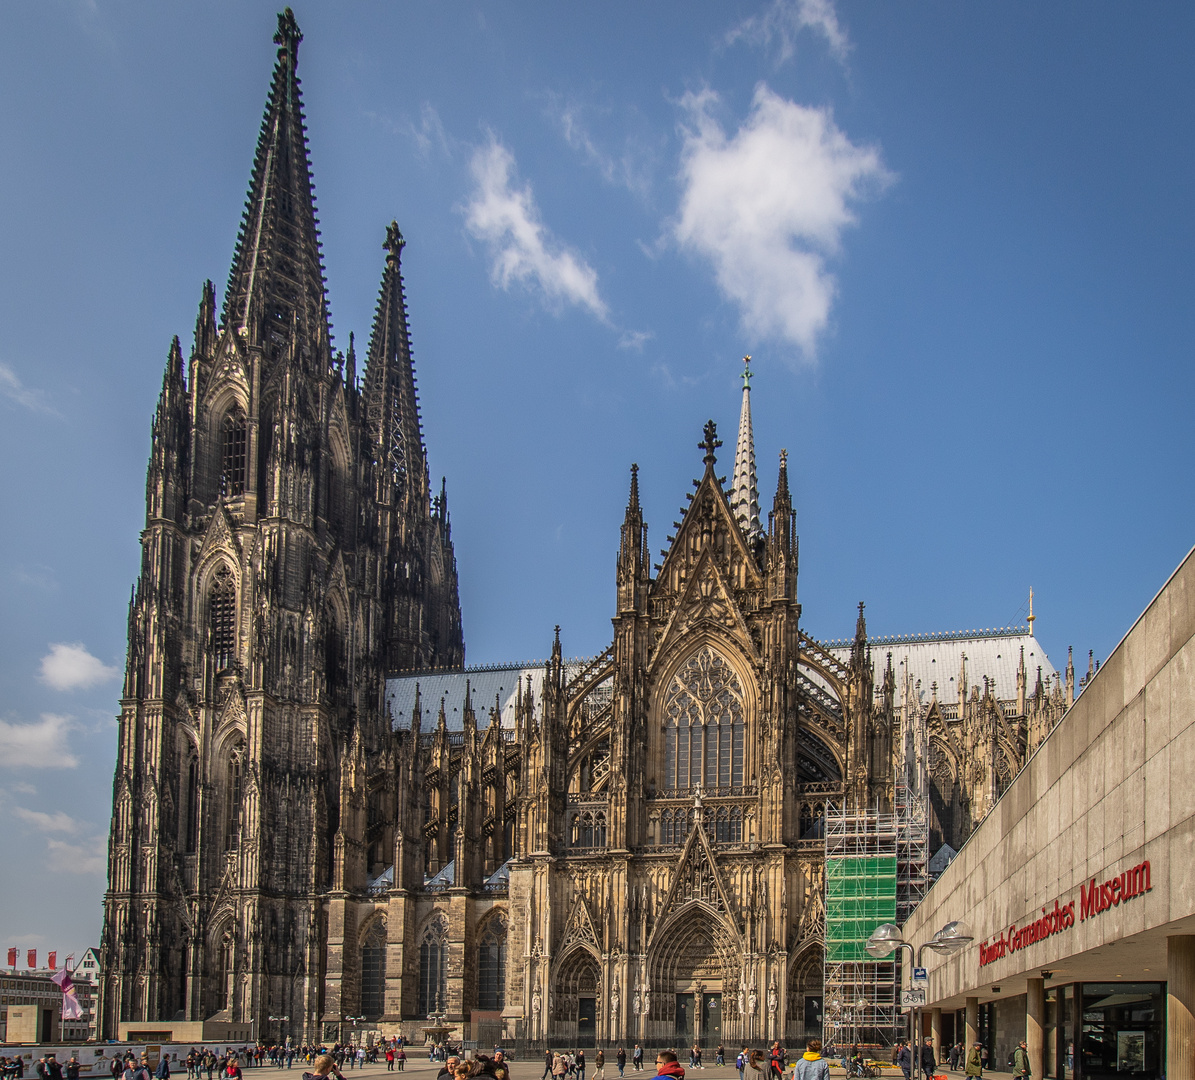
(876, 872)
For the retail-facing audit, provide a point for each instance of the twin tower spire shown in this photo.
(277, 296)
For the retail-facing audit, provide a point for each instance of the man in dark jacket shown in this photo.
(928, 1061)
(904, 1059)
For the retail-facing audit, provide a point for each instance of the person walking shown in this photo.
(547, 1065)
(579, 1062)
(904, 1059)
(400, 1056)
(928, 1061)
(599, 1066)
(1020, 1061)
(720, 1056)
(811, 1065)
(974, 1065)
(740, 1062)
(621, 1059)
(637, 1058)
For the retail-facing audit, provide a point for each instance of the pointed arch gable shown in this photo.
(706, 604)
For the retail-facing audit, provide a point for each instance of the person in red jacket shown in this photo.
(667, 1065)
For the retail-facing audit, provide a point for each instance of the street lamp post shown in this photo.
(354, 1020)
(885, 940)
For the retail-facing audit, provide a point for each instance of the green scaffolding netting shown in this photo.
(860, 894)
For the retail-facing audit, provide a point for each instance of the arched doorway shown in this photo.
(805, 994)
(694, 980)
(578, 989)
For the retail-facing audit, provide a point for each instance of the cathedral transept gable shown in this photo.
(220, 538)
(706, 604)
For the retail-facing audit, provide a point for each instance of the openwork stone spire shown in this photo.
(277, 282)
(744, 497)
(391, 398)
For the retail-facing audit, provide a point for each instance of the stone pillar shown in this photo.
(935, 1031)
(1180, 1008)
(973, 1023)
(1035, 1024)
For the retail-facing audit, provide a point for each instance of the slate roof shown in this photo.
(937, 658)
(502, 681)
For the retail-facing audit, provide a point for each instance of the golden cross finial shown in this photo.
(747, 372)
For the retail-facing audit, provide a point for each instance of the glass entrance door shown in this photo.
(711, 1020)
(586, 1021)
(684, 1019)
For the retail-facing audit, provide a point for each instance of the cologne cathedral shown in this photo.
(324, 823)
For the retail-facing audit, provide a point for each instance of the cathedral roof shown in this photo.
(937, 658)
(501, 681)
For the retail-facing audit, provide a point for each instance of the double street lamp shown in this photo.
(885, 940)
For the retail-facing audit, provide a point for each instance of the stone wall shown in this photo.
(1112, 786)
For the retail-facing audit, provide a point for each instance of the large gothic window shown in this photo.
(705, 725)
(373, 972)
(191, 805)
(491, 966)
(232, 454)
(433, 968)
(222, 618)
(232, 793)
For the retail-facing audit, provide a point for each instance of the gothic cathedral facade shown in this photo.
(322, 819)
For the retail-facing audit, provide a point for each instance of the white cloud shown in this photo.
(72, 667)
(522, 249)
(15, 390)
(635, 339)
(781, 23)
(631, 169)
(43, 822)
(41, 745)
(766, 206)
(88, 857)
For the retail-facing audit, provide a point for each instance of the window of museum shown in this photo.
(232, 454)
(705, 722)
(373, 972)
(221, 618)
(433, 968)
(491, 966)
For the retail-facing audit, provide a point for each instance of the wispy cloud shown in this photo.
(40, 745)
(87, 857)
(49, 823)
(15, 390)
(523, 251)
(72, 667)
(781, 23)
(630, 168)
(37, 575)
(767, 205)
(635, 339)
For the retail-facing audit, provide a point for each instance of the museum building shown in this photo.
(1078, 886)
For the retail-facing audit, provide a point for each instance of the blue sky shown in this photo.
(957, 240)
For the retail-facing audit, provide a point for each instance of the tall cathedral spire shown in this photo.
(277, 278)
(744, 498)
(391, 400)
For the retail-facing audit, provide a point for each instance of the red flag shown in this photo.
(12, 958)
(31, 957)
(53, 960)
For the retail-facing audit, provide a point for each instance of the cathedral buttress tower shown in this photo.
(287, 565)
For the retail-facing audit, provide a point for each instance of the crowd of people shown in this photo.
(210, 1063)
